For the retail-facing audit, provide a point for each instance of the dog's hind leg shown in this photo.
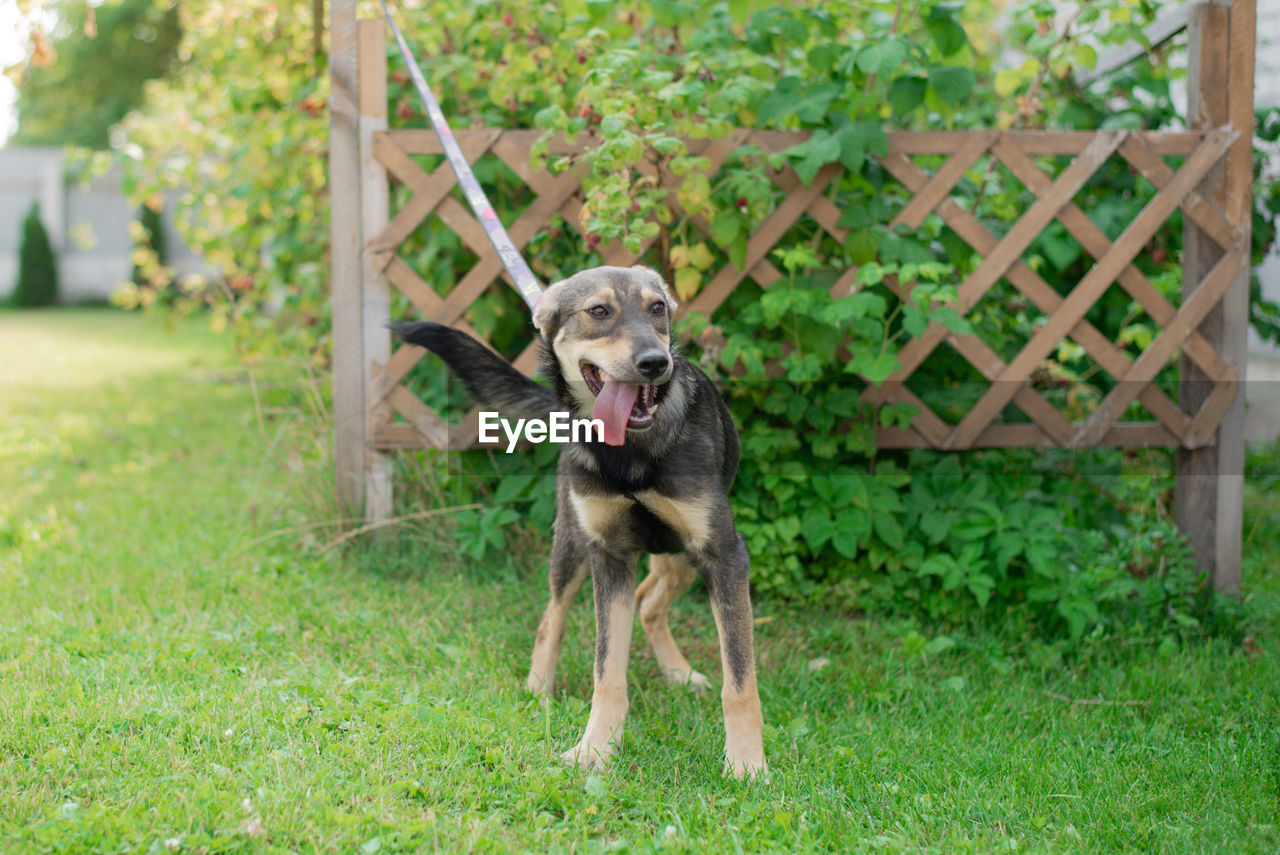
(731, 605)
(669, 577)
(568, 567)
(613, 580)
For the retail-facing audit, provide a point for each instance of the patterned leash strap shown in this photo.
(526, 283)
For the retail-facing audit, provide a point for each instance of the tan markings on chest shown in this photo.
(599, 516)
(690, 517)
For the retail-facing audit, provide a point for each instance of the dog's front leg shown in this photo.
(614, 579)
(727, 574)
(568, 567)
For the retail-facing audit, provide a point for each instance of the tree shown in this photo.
(37, 265)
(151, 247)
(103, 61)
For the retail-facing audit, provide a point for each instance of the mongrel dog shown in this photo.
(658, 483)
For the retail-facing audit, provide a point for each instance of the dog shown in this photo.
(655, 481)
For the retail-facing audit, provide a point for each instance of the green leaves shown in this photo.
(907, 93)
(548, 117)
(672, 13)
(857, 140)
(849, 143)
(946, 33)
(882, 57)
(792, 96)
(845, 532)
(855, 306)
(954, 84)
(808, 157)
(875, 367)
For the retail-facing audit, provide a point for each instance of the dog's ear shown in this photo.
(546, 314)
(672, 303)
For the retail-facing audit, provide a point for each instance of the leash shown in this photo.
(526, 283)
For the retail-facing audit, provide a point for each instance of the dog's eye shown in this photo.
(658, 308)
(598, 311)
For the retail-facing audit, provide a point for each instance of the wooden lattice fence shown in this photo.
(376, 413)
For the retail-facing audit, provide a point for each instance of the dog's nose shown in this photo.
(653, 363)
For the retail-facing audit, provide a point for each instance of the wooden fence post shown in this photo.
(375, 292)
(345, 251)
(1209, 495)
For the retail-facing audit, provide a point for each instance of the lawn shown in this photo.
(184, 667)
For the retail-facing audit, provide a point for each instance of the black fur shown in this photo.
(489, 378)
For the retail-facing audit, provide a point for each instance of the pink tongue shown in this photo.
(613, 407)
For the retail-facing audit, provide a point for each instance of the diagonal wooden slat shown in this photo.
(465, 226)
(926, 423)
(762, 271)
(1086, 293)
(1007, 252)
(972, 348)
(991, 366)
(774, 226)
(926, 426)
(430, 304)
(398, 367)
(397, 161)
(470, 231)
(543, 182)
(1161, 350)
(428, 191)
(827, 215)
(408, 355)
(425, 299)
(534, 218)
(944, 180)
(1096, 243)
(1055, 425)
(1198, 209)
(431, 427)
(1204, 427)
(1040, 214)
(716, 151)
(1042, 295)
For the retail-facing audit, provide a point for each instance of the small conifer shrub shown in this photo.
(37, 265)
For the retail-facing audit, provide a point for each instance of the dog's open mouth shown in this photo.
(621, 406)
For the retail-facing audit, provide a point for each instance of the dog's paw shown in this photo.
(748, 768)
(588, 757)
(695, 681)
(537, 686)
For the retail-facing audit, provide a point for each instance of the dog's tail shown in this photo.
(488, 378)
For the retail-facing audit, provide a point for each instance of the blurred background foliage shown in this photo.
(237, 124)
(92, 70)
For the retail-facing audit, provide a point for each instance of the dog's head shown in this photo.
(609, 329)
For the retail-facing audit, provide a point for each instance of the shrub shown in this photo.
(150, 244)
(37, 265)
(639, 81)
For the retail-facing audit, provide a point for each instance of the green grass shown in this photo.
(169, 673)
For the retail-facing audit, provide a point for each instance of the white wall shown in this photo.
(88, 225)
